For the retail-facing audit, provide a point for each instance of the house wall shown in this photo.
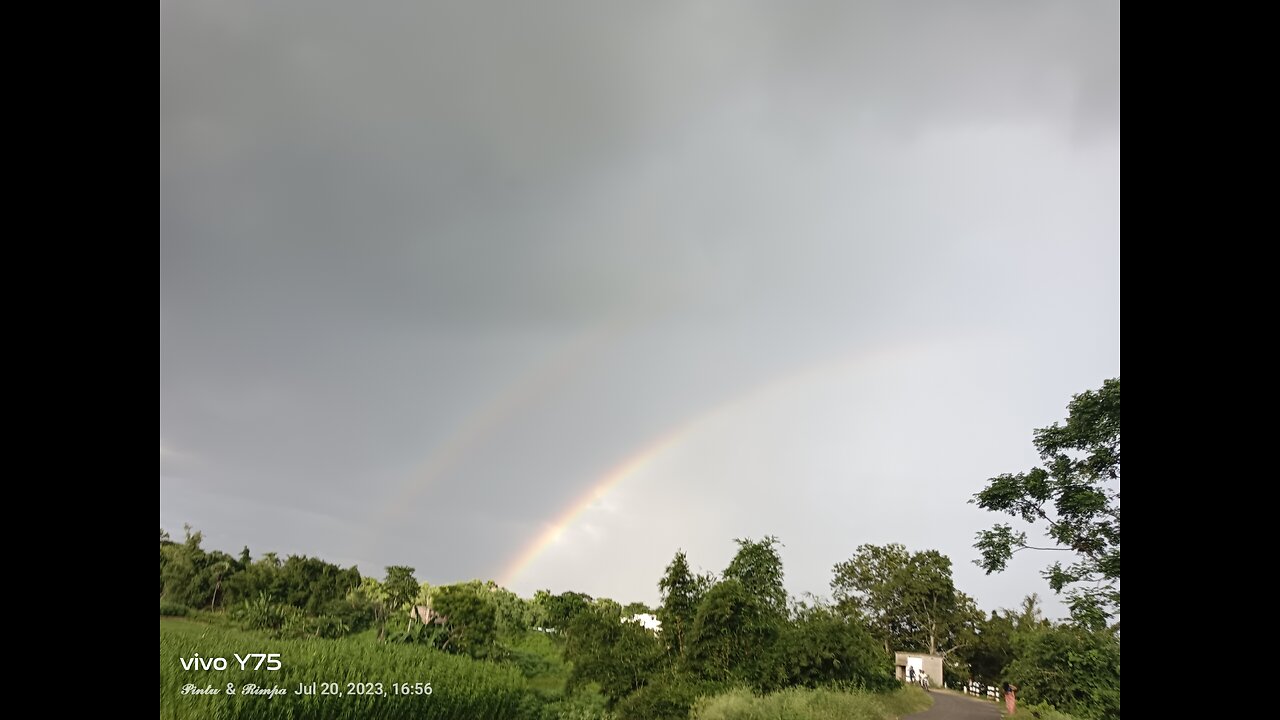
(931, 664)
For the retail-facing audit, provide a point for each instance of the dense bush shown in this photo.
(619, 656)
(471, 626)
(582, 704)
(173, 609)
(276, 620)
(212, 579)
(349, 611)
(263, 615)
(821, 647)
(668, 697)
(732, 635)
(1070, 668)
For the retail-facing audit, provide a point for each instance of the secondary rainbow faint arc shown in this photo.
(484, 422)
(651, 451)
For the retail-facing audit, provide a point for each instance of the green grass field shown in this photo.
(528, 685)
(460, 687)
(805, 704)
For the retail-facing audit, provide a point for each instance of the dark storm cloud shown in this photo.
(380, 219)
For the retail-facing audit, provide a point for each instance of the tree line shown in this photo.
(735, 628)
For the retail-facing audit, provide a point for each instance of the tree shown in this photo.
(219, 568)
(164, 558)
(680, 598)
(371, 595)
(908, 600)
(470, 619)
(992, 648)
(821, 646)
(632, 609)
(401, 586)
(960, 629)
(608, 606)
(402, 589)
(310, 583)
(733, 635)
(184, 576)
(620, 656)
(1075, 494)
(866, 586)
(513, 613)
(559, 610)
(1030, 616)
(540, 608)
(758, 567)
(931, 605)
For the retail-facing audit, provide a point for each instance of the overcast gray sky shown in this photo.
(541, 292)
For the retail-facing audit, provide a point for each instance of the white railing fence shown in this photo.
(991, 692)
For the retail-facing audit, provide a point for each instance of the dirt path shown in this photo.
(948, 705)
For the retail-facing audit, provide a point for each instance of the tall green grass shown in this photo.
(1043, 711)
(805, 704)
(461, 687)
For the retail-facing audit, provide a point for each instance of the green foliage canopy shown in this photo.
(908, 600)
(1075, 496)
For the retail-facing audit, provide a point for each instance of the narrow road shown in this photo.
(949, 705)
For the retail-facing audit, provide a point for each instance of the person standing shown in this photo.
(1010, 697)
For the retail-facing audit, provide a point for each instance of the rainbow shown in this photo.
(484, 422)
(653, 450)
(523, 393)
(594, 494)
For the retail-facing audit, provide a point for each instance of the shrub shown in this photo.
(173, 609)
(667, 698)
(585, 703)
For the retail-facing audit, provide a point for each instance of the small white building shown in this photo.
(909, 664)
(650, 622)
